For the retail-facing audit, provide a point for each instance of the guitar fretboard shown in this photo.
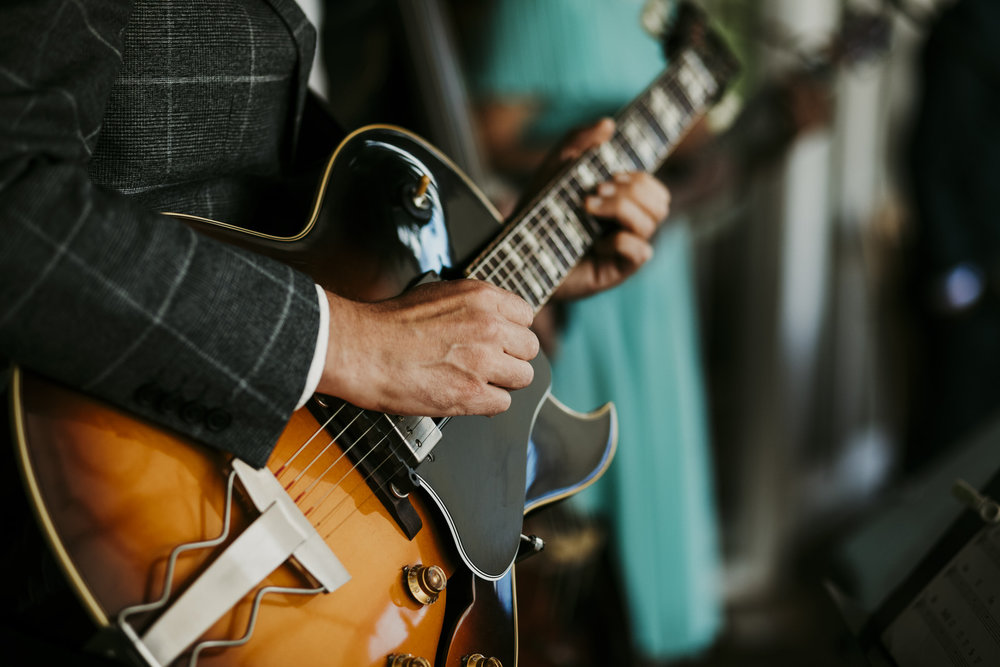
(539, 247)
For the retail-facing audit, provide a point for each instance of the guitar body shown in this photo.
(116, 494)
(325, 523)
(486, 622)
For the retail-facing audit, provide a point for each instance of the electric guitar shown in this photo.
(368, 539)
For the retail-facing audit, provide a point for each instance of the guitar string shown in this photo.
(668, 80)
(535, 222)
(325, 449)
(662, 80)
(392, 453)
(507, 263)
(381, 487)
(334, 439)
(319, 430)
(592, 160)
(319, 524)
(538, 220)
(330, 467)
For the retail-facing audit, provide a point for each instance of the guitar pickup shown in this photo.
(419, 434)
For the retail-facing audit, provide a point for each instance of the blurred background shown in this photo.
(813, 354)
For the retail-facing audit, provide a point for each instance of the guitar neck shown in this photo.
(540, 246)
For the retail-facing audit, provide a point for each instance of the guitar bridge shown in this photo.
(418, 435)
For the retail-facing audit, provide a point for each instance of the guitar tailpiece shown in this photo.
(168, 576)
(251, 623)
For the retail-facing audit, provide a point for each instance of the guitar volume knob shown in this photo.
(480, 660)
(425, 583)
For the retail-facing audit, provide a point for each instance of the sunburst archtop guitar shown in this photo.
(339, 551)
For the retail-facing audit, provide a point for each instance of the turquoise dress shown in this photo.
(636, 345)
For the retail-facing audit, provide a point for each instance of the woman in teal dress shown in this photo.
(637, 345)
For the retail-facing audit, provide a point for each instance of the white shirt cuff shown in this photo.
(319, 356)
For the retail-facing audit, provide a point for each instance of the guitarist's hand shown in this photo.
(440, 349)
(636, 201)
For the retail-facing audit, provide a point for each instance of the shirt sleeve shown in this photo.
(319, 355)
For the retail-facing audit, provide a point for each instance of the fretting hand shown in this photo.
(636, 201)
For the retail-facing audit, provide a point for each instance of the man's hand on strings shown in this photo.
(440, 349)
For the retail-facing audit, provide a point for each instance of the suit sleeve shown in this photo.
(122, 303)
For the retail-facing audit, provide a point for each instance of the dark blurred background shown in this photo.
(821, 348)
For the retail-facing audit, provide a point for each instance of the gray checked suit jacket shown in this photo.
(113, 110)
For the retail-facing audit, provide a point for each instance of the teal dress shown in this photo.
(636, 345)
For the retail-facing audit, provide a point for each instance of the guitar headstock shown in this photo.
(682, 26)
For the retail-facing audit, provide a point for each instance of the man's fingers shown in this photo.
(492, 401)
(636, 200)
(586, 138)
(628, 250)
(519, 342)
(625, 210)
(512, 373)
(514, 308)
(647, 191)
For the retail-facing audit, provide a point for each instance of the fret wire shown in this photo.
(536, 264)
(629, 152)
(584, 175)
(558, 232)
(645, 153)
(664, 109)
(653, 122)
(577, 189)
(534, 287)
(512, 270)
(572, 242)
(505, 246)
(569, 199)
(581, 230)
(553, 272)
(494, 255)
(519, 287)
(597, 163)
(560, 246)
(544, 279)
(568, 244)
(681, 97)
(516, 283)
(577, 243)
(562, 267)
(654, 135)
(529, 249)
(610, 157)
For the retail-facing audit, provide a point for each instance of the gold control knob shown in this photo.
(425, 582)
(480, 660)
(407, 660)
